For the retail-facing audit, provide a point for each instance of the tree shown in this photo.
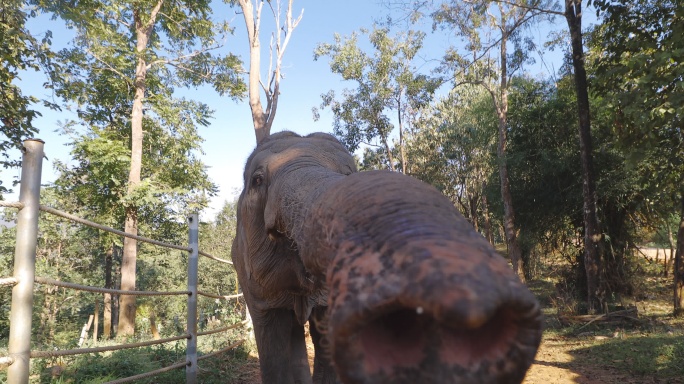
(592, 232)
(386, 81)
(637, 55)
(20, 51)
(452, 146)
(486, 26)
(544, 170)
(263, 118)
(145, 48)
(592, 238)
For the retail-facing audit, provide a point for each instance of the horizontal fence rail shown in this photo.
(149, 374)
(5, 281)
(77, 219)
(6, 360)
(217, 330)
(12, 204)
(220, 351)
(81, 351)
(228, 297)
(63, 284)
(215, 258)
(22, 283)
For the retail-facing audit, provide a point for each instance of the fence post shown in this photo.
(191, 351)
(25, 262)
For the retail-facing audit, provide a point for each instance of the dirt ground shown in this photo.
(555, 365)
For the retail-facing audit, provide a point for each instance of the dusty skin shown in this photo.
(554, 364)
(565, 356)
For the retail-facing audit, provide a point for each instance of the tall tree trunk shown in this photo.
(107, 310)
(390, 158)
(261, 127)
(401, 136)
(514, 251)
(678, 270)
(143, 30)
(472, 206)
(97, 320)
(673, 248)
(489, 234)
(592, 235)
(263, 118)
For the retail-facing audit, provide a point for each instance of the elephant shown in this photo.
(396, 285)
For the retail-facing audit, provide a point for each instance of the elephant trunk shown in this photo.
(416, 294)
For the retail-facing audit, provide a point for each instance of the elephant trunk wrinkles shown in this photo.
(410, 291)
(415, 292)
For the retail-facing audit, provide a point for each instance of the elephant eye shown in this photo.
(257, 180)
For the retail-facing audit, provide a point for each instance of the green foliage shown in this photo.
(216, 238)
(387, 83)
(72, 252)
(20, 51)
(636, 54)
(484, 25)
(452, 148)
(659, 354)
(99, 81)
(109, 366)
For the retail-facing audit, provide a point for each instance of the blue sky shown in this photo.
(230, 137)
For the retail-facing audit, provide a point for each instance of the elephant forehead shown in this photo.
(277, 160)
(316, 150)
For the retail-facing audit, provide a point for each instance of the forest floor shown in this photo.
(639, 342)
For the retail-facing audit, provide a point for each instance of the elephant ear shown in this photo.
(240, 250)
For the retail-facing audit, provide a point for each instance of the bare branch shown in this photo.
(261, 118)
(153, 17)
(531, 7)
(184, 57)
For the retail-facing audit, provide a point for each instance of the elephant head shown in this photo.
(399, 286)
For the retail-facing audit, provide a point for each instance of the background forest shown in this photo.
(572, 175)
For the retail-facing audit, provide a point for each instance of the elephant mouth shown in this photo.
(413, 344)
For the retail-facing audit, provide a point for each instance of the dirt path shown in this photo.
(555, 364)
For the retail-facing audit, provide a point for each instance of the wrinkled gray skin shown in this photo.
(398, 287)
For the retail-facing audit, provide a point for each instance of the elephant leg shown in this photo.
(323, 373)
(298, 355)
(273, 333)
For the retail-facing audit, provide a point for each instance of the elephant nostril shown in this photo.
(489, 341)
(395, 339)
(489, 348)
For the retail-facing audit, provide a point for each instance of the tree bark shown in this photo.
(97, 320)
(489, 234)
(107, 310)
(261, 127)
(143, 30)
(514, 251)
(678, 270)
(592, 235)
(673, 248)
(263, 118)
(401, 137)
(390, 158)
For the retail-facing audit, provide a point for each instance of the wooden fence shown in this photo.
(23, 280)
